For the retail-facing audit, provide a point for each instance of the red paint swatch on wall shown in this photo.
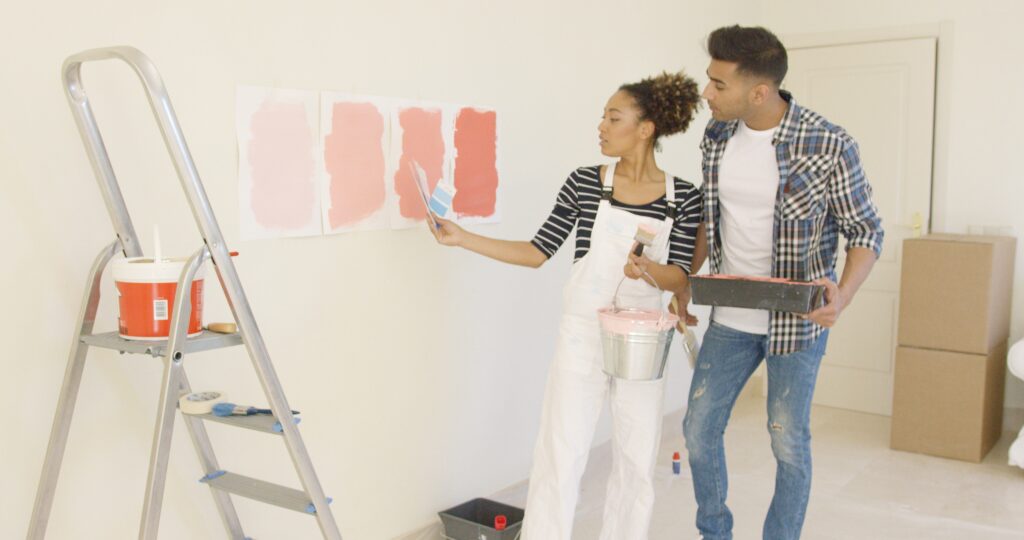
(354, 160)
(283, 179)
(423, 142)
(476, 171)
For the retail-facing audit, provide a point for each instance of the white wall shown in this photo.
(979, 181)
(419, 371)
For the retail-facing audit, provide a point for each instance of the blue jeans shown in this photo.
(727, 359)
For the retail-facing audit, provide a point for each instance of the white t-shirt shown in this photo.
(748, 183)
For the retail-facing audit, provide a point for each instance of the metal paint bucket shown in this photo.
(636, 341)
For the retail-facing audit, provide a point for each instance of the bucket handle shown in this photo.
(615, 297)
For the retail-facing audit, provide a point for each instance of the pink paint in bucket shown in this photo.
(146, 290)
(633, 321)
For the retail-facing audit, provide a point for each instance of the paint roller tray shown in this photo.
(474, 520)
(205, 341)
(756, 293)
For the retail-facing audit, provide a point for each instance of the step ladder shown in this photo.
(310, 499)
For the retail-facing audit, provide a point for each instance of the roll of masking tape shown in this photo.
(200, 402)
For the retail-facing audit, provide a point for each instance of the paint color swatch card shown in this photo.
(441, 200)
(421, 185)
(278, 156)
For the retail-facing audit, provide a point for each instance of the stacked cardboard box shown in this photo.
(954, 324)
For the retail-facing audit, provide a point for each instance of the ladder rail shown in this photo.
(169, 392)
(68, 395)
(199, 203)
(89, 130)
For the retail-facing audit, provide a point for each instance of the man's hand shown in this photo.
(835, 302)
(682, 298)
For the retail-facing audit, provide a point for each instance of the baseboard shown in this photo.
(1013, 419)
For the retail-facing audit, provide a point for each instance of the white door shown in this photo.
(883, 94)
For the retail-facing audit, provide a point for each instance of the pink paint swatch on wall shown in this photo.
(422, 140)
(354, 166)
(476, 170)
(277, 143)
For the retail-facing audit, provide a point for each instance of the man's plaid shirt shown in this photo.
(822, 193)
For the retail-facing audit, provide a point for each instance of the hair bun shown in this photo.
(670, 100)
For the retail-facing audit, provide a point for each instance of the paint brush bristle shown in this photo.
(644, 237)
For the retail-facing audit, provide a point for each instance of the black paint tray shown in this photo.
(756, 293)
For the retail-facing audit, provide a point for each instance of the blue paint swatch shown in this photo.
(441, 200)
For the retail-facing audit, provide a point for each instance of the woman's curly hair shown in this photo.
(669, 100)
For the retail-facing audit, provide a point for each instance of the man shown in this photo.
(781, 184)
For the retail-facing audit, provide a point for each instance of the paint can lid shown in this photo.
(146, 270)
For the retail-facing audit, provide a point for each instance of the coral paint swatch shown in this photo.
(423, 141)
(354, 162)
(476, 171)
(278, 163)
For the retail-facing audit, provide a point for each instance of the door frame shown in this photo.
(942, 32)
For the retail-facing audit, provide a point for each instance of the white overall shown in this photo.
(577, 387)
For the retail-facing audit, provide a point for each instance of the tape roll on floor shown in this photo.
(200, 402)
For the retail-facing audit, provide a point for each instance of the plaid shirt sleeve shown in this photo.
(849, 200)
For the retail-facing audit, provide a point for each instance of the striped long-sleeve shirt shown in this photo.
(576, 207)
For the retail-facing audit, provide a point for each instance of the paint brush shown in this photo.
(644, 237)
(226, 408)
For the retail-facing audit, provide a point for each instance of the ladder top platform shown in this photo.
(205, 341)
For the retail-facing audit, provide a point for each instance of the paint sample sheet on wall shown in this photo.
(355, 170)
(475, 167)
(420, 133)
(315, 163)
(278, 163)
(457, 148)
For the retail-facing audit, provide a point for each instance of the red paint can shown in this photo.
(146, 290)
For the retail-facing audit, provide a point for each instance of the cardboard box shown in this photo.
(756, 293)
(948, 404)
(955, 292)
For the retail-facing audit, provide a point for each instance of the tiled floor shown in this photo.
(862, 489)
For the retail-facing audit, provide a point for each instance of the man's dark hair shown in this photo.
(755, 50)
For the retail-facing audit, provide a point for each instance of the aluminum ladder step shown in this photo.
(205, 341)
(259, 490)
(256, 422)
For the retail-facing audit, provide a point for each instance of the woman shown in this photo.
(606, 204)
